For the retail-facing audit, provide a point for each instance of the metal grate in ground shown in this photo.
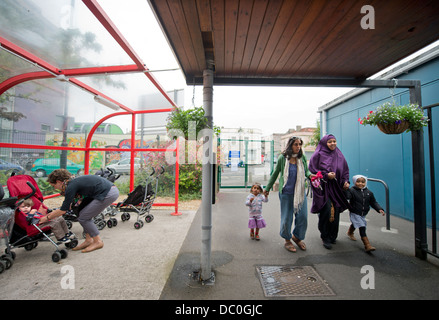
(281, 281)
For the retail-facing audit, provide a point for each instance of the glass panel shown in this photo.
(164, 181)
(62, 32)
(11, 65)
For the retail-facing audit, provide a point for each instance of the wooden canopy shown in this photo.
(293, 42)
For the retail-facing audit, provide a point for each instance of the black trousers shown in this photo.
(329, 230)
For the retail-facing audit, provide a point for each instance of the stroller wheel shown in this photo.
(2, 266)
(7, 260)
(69, 224)
(10, 253)
(101, 225)
(149, 218)
(110, 223)
(64, 253)
(114, 221)
(56, 256)
(72, 244)
(138, 224)
(29, 246)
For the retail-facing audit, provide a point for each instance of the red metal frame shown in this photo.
(68, 74)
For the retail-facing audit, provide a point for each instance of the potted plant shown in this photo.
(394, 119)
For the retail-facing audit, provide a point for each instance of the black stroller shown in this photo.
(140, 200)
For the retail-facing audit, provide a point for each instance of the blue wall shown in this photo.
(387, 157)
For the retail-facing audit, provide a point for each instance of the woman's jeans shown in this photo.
(287, 217)
(95, 207)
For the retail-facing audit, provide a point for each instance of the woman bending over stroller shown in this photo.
(100, 190)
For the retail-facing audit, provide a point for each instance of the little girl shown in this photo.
(361, 199)
(254, 202)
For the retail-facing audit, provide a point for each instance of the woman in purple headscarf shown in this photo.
(328, 198)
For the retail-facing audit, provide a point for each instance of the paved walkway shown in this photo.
(392, 270)
(159, 260)
(134, 264)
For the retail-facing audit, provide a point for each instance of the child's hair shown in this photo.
(258, 185)
(28, 202)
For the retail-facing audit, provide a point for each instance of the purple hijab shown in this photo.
(325, 161)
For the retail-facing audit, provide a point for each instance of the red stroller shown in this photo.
(7, 218)
(26, 232)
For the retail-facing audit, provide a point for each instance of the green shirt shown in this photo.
(280, 169)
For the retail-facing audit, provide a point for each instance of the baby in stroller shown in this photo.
(29, 229)
(58, 225)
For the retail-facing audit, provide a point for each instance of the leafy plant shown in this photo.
(391, 113)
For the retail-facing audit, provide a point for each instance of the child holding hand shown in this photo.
(254, 202)
(361, 199)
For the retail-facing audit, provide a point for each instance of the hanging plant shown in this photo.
(393, 119)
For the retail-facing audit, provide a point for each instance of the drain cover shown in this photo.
(292, 281)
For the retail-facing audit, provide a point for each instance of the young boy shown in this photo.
(361, 199)
(58, 225)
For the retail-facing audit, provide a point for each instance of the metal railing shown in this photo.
(387, 200)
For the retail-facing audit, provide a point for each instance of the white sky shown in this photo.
(272, 109)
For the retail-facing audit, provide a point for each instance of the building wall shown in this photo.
(387, 157)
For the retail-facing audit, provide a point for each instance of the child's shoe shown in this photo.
(257, 237)
(252, 235)
(70, 234)
(64, 240)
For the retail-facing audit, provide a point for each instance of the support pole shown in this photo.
(206, 275)
(419, 198)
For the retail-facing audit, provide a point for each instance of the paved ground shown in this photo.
(158, 261)
(235, 258)
(134, 264)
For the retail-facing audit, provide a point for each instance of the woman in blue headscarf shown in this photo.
(329, 199)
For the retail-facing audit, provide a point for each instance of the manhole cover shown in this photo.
(292, 281)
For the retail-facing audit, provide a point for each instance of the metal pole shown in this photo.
(432, 180)
(419, 197)
(206, 200)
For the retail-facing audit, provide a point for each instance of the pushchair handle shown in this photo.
(33, 190)
(163, 170)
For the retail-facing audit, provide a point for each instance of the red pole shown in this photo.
(133, 141)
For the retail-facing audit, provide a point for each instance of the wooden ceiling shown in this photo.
(293, 42)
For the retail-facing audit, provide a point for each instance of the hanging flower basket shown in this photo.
(391, 118)
(393, 128)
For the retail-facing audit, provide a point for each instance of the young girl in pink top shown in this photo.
(254, 202)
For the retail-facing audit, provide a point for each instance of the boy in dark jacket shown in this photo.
(361, 199)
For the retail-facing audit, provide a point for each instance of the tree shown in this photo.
(315, 139)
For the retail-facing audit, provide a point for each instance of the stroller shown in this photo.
(99, 220)
(140, 200)
(26, 232)
(7, 218)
